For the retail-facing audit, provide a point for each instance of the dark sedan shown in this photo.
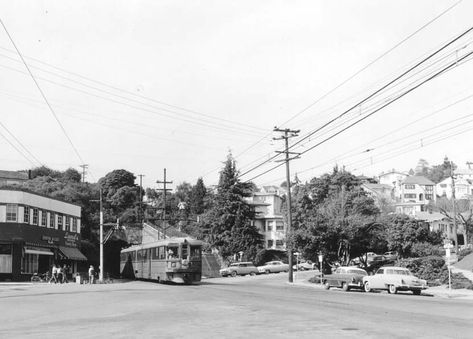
(345, 278)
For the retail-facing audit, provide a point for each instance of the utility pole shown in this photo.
(100, 236)
(141, 197)
(164, 189)
(84, 168)
(287, 133)
(455, 236)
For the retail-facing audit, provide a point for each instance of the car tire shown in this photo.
(234, 274)
(392, 289)
(252, 274)
(367, 287)
(345, 287)
(416, 292)
(267, 271)
(326, 286)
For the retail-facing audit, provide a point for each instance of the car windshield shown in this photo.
(234, 265)
(402, 272)
(355, 271)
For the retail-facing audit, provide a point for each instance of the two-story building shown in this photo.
(269, 219)
(416, 193)
(13, 177)
(36, 232)
(394, 179)
(463, 188)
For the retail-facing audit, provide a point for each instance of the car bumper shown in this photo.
(412, 287)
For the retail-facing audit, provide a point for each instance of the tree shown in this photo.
(422, 168)
(442, 171)
(115, 180)
(228, 224)
(198, 196)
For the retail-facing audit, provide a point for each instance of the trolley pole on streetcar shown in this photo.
(287, 133)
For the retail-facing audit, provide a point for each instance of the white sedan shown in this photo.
(394, 279)
(273, 267)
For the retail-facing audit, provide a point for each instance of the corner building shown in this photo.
(36, 232)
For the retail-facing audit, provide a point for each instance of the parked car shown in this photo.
(273, 267)
(345, 277)
(304, 265)
(394, 279)
(239, 268)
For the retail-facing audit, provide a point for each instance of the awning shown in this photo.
(72, 253)
(38, 250)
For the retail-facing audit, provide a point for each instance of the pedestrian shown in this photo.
(59, 273)
(65, 270)
(91, 274)
(53, 274)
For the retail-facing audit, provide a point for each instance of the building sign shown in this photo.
(49, 239)
(71, 239)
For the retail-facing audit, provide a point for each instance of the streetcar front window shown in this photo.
(184, 252)
(172, 252)
(195, 252)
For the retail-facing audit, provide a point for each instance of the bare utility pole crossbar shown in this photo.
(164, 189)
(287, 133)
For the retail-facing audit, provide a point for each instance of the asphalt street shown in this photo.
(264, 306)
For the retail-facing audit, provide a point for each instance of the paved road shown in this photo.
(242, 307)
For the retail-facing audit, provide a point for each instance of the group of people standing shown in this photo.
(59, 274)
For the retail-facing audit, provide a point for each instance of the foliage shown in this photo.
(228, 224)
(266, 255)
(403, 232)
(333, 215)
(423, 249)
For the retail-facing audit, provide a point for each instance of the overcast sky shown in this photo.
(148, 85)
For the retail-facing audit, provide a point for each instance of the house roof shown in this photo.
(417, 179)
(19, 175)
(429, 217)
(378, 187)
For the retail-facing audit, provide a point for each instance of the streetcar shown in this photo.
(176, 260)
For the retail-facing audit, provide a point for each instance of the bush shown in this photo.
(423, 249)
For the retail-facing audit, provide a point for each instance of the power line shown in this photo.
(21, 144)
(374, 94)
(41, 92)
(17, 149)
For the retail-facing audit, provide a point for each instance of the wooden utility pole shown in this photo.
(455, 236)
(287, 133)
(141, 198)
(164, 189)
(84, 168)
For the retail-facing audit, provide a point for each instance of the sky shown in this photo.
(148, 85)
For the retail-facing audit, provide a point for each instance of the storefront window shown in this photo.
(5, 258)
(12, 212)
(59, 222)
(74, 225)
(29, 263)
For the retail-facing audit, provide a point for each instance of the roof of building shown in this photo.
(393, 171)
(377, 187)
(417, 179)
(20, 189)
(429, 217)
(18, 175)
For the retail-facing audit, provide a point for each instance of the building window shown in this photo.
(52, 220)
(279, 226)
(443, 185)
(68, 223)
(429, 196)
(270, 243)
(26, 215)
(12, 212)
(74, 225)
(29, 263)
(410, 187)
(279, 243)
(429, 188)
(269, 226)
(35, 216)
(59, 222)
(43, 218)
(409, 196)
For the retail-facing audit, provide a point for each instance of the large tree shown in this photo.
(228, 224)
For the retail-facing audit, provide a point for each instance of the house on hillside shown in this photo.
(463, 188)
(381, 193)
(394, 179)
(416, 193)
(269, 219)
(13, 177)
(439, 222)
